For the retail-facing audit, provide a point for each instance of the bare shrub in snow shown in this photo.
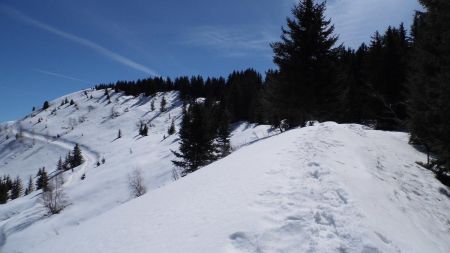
(136, 183)
(175, 174)
(54, 198)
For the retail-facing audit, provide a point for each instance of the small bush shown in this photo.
(136, 183)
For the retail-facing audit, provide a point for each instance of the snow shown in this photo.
(324, 188)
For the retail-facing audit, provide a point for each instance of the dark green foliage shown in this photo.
(241, 96)
(196, 139)
(30, 186)
(17, 188)
(143, 129)
(60, 165)
(42, 180)
(429, 106)
(77, 157)
(171, 129)
(152, 105)
(46, 105)
(385, 67)
(222, 139)
(5, 186)
(163, 104)
(305, 86)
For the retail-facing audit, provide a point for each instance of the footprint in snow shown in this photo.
(244, 242)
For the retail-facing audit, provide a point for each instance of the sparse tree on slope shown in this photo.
(46, 105)
(42, 180)
(30, 187)
(163, 104)
(171, 129)
(77, 157)
(60, 165)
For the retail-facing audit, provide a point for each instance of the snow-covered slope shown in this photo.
(329, 188)
(326, 188)
(94, 123)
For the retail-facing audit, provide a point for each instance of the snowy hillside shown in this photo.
(326, 188)
(93, 122)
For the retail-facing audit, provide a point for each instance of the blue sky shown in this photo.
(49, 48)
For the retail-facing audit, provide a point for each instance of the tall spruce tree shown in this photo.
(171, 129)
(196, 140)
(77, 157)
(429, 108)
(3, 191)
(46, 105)
(222, 140)
(30, 187)
(42, 180)
(17, 188)
(60, 165)
(306, 60)
(386, 69)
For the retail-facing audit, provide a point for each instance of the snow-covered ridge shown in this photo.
(326, 188)
(93, 122)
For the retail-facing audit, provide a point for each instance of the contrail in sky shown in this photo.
(82, 41)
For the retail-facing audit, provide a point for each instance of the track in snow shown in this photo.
(91, 156)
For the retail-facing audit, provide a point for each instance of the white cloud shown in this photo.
(232, 42)
(82, 41)
(60, 75)
(357, 20)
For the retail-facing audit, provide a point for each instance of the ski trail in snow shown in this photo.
(312, 203)
(89, 154)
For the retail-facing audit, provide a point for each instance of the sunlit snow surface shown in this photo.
(326, 188)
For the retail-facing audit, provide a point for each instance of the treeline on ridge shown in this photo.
(399, 81)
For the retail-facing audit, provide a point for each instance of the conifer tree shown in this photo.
(17, 188)
(42, 180)
(152, 105)
(60, 165)
(67, 164)
(3, 192)
(429, 108)
(222, 141)
(30, 187)
(143, 130)
(119, 134)
(171, 129)
(163, 104)
(8, 182)
(196, 140)
(307, 87)
(77, 157)
(46, 105)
